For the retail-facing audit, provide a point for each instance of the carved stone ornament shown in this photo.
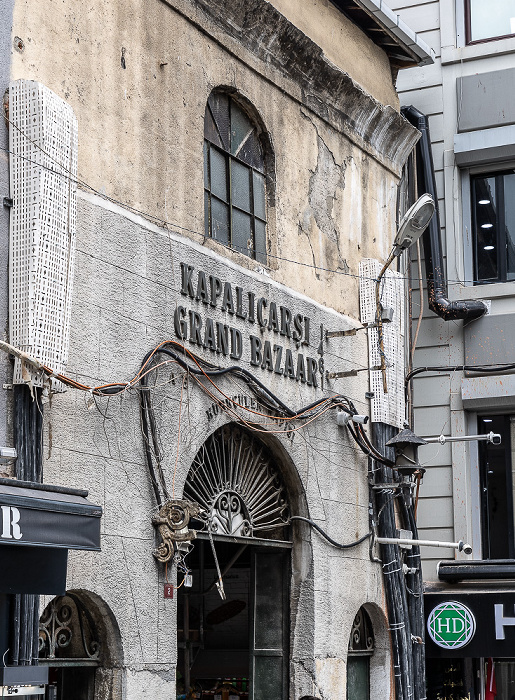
(172, 524)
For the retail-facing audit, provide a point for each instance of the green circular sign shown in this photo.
(451, 625)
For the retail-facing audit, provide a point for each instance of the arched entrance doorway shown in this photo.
(234, 641)
(80, 642)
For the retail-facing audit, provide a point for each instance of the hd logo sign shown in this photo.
(451, 625)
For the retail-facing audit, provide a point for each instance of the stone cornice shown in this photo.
(257, 34)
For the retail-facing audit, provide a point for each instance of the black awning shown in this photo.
(40, 515)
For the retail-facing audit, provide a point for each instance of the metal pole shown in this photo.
(494, 438)
(460, 546)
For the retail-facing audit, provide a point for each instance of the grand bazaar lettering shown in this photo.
(221, 338)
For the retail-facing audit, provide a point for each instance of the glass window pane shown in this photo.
(358, 681)
(485, 227)
(509, 223)
(252, 153)
(207, 229)
(240, 127)
(219, 105)
(241, 232)
(206, 156)
(240, 185)
(491, 18)
(218, 164)
(259, 195)
(269, 606)
(505, 678)
(219, 221)
(210, 130)
(496, 486)
(268, 677)
(260, 241)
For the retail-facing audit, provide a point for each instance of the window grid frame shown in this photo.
(253, 253)
(500, 237)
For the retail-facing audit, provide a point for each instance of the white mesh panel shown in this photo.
(43, 173)
(386, 408)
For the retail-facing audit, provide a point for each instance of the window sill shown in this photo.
(496, 290)
(236, 257)
(451, 54)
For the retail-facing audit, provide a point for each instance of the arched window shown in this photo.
(361, 648)
(234, 178)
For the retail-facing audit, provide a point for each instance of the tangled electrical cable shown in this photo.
(205, 374)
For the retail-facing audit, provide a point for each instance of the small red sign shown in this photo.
(168, 590)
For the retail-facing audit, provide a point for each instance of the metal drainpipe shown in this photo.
(467, 310)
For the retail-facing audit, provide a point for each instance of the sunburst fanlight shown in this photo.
(234, 478)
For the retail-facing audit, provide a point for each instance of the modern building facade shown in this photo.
(467, 492)
(192, 187)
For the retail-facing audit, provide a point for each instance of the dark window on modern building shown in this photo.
(361, 648)
(489, 19)
(234, 178)
(493, 226)
(496, 484)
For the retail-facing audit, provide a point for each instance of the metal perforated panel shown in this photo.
(43, 173)
(386, 408)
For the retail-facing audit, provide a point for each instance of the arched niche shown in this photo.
(80, 642)
(368, 657)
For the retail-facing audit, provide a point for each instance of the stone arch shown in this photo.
(301, 640)
(78, 635)
(380, 661)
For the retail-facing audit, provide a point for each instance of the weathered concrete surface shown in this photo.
(128, 286)
(141, 126)
(138, 77)
(6, 13)
(343, 44)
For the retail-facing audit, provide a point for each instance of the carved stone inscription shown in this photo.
(227, 340)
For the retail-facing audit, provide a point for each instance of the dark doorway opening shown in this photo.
(237, 647)
(496, 482)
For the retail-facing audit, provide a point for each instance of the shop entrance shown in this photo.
(236, 647)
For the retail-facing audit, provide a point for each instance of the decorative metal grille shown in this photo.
(43, 175)
(361, 640)
(234, 478)
(67, 632)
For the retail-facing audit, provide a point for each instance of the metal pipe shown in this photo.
(460, 546)
(494, 438)
(470, 309)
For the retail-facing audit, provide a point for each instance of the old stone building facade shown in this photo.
(236, 162)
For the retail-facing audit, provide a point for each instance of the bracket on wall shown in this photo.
(172, 522)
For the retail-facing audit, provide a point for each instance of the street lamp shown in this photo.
(406, 445)
(412, 226)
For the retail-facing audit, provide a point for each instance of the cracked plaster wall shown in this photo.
(120, 311)
(344, 44)
(338, 153)
(141, 125)
(6, 12)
